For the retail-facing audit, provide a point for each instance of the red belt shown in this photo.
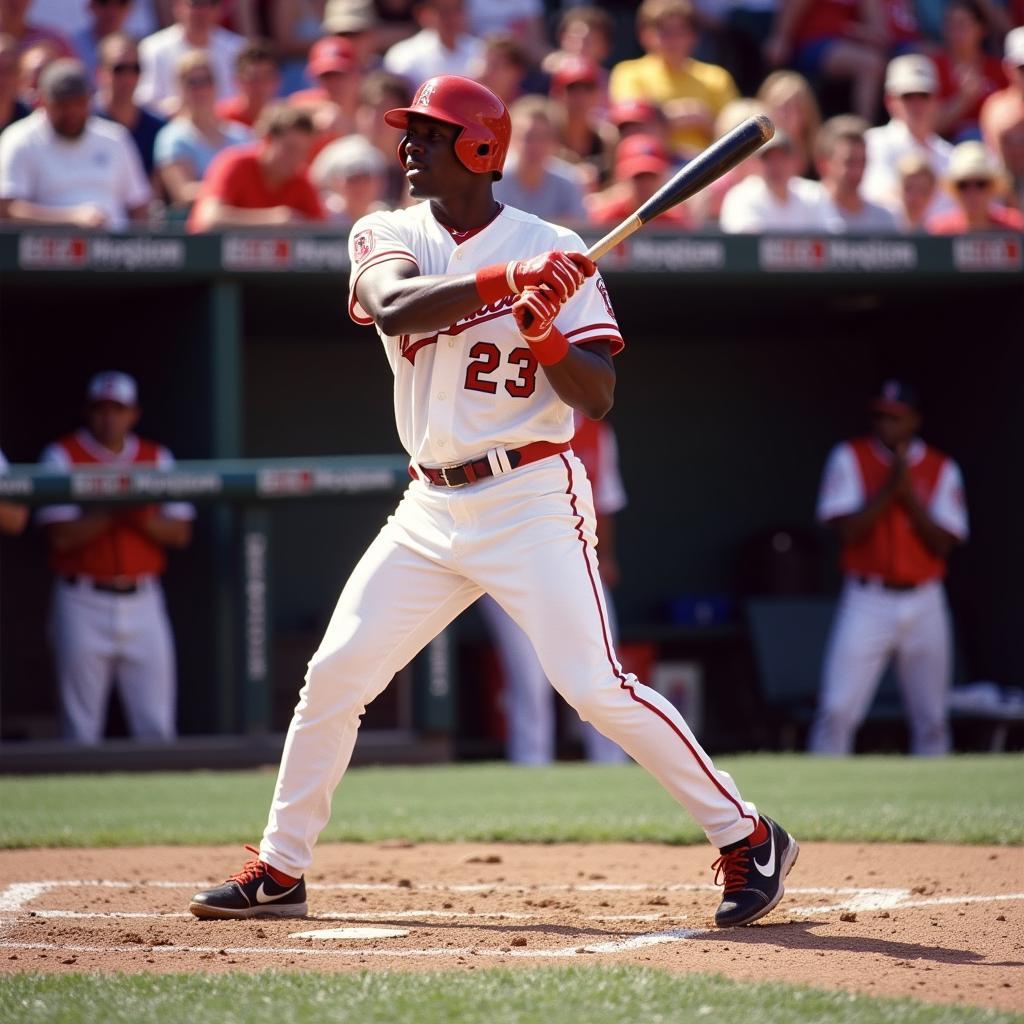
(469, 472)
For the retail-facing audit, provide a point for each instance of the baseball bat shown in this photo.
(721, 156)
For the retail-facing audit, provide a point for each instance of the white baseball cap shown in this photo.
(912, 72)
(113, 386)
(1013, 47)
(972, 160)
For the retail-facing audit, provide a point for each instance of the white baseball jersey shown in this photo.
(474, 385)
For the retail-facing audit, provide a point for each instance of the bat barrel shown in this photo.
(721, 156)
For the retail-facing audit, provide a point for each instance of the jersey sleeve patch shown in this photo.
(362, 245)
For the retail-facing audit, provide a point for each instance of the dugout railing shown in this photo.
(240, 595)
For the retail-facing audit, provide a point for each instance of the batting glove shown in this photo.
(534, 312)
(561, 273)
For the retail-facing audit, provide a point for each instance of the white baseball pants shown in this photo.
(100, 639)
(871, 625)
(529, 702)
(526, 538)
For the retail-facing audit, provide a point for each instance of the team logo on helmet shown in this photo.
(362, 245)
(425, 93)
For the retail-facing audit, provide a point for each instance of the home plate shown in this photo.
(352, 933)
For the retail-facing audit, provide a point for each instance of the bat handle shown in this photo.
(614, 237)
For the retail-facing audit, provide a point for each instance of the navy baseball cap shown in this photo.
(896, 396)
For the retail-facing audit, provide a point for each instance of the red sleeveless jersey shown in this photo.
(122, 550)
(892, 549)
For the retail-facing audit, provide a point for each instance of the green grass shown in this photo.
(499, 996)
(961, 800)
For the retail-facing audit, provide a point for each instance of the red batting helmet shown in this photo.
(483, 142)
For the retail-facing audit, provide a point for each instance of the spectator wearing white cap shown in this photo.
(911, 97)
(841, 157)
(351, 176)
(773, 197)
(108, 621)
(12, 517)
(975, 181)
(62, 165)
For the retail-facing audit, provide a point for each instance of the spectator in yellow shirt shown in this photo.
(690, 91)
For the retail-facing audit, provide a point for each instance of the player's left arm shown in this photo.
(942, 523)
(584, 378)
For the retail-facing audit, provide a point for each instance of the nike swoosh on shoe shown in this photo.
(767, 869)
(262, 897)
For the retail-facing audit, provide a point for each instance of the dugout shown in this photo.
(747, 359)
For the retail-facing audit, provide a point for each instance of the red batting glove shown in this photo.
(535, 311)
(561, 272)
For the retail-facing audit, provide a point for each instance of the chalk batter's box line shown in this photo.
(17, 895)
(15, 898)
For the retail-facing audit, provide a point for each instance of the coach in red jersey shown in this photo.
(898, 507)
(108, 622)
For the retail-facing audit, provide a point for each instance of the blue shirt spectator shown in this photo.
(181, 140)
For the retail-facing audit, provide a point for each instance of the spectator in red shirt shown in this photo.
(642, 166)
(967, 74)
(844, 39)
(257, 80)
(975, 181)
(13, 22)
(265, 183)
(335, 66)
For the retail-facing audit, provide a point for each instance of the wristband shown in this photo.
(551, 349)
(492, 283)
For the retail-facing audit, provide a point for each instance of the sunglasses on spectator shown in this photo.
(112, 3)
(197, 81)
(916, 96)
(972, 183)
(126, 69)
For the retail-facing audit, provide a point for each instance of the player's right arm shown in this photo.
(843, 504)
(401, 300)
(70, 526)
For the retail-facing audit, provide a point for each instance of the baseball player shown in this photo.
(530, 710)
(899, 508)
(496, 328)
(108, 620)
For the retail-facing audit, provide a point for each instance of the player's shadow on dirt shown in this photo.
(801, 935)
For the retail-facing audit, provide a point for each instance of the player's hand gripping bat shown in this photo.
(721, 156)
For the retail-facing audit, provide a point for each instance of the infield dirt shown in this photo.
(936, 923)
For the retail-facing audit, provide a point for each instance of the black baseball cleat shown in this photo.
(251, 892)
(754, 871)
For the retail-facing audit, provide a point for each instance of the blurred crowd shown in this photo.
(892, 115)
